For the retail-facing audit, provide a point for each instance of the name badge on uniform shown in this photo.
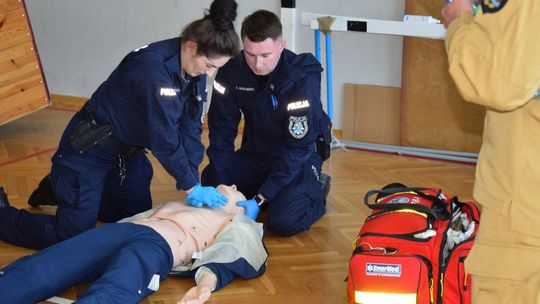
(298, 126)
(245, 89)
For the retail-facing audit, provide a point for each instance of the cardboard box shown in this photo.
(372, 114)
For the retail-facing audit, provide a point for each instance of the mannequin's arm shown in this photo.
(200, 293)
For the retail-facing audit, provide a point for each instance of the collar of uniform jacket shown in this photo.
(173, 63)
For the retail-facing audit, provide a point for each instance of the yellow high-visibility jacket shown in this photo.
(495, 62)
(494, 59)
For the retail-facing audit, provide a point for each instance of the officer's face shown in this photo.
(195, 64)
(202, 65)
(262, 57)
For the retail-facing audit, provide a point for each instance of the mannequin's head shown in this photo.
(234, 196)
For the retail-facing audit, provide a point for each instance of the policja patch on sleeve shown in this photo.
(166, 92)
(218, 87)
(492, 6)
(298, 126)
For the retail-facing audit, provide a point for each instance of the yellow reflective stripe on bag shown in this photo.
(362, 297)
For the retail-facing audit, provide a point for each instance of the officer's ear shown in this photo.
(192, 47)
(282, 43)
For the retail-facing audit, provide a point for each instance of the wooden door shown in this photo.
(23, 89)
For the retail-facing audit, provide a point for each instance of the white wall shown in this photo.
(356, 57)
(80, 41)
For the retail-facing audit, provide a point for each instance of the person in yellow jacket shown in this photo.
(494, 60)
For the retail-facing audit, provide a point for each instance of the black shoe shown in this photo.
(43, 195)
(3, 198)
(325, 184)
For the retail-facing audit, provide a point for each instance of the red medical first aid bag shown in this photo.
(412, 248)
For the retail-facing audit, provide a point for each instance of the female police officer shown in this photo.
(153, 99)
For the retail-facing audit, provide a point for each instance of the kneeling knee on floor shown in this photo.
(287, 226)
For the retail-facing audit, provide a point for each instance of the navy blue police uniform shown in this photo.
(144, 104)
(283, 117)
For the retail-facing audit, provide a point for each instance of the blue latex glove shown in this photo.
(206, 196)
(251, 208)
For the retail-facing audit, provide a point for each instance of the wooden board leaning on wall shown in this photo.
(23, 89)
(433, 113)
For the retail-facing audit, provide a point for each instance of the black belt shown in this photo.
(115, 145)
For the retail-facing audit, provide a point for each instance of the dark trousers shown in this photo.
(87, 188)
(119, 259)
(295, 208)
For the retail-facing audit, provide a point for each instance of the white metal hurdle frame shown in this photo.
(384, 27)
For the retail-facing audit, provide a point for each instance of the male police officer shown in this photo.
(278, 93)
(494, 59)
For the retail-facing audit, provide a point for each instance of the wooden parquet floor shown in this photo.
(308, 268)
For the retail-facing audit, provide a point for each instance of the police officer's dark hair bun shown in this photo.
(214, 33)
(223, 13)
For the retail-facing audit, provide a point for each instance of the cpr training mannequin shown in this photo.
(125, 261)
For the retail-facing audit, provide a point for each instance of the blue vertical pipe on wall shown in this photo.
(318, 44)
(329, 92)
